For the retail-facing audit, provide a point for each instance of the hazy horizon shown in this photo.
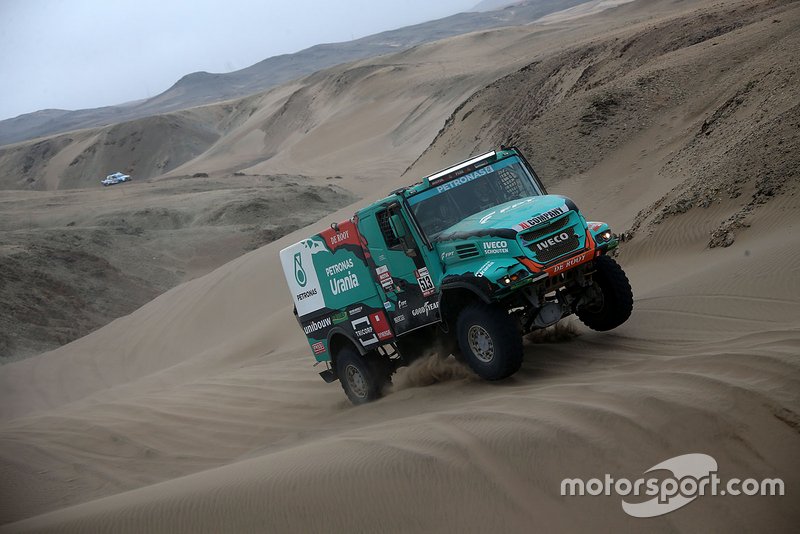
(88, 54)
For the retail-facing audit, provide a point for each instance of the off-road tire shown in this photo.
(489, 340)
(374, 375)
(617, 297)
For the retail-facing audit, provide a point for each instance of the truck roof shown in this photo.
(444, 175)
(454, 171)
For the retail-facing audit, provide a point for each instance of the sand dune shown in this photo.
(705, 364)
(200, 411)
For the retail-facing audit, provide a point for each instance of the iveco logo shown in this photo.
(547, 243)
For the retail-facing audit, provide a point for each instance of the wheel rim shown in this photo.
(480, 343)
(356, 381)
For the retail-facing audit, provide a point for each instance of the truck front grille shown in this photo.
(546, 252)
(548, 228)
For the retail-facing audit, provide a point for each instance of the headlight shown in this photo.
(511, 278)
(604, 237)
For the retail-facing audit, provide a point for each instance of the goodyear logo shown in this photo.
(426, 309)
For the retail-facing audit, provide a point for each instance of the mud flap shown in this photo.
(328, 376)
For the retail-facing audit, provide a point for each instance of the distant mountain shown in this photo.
(490, 5)
(201, 88)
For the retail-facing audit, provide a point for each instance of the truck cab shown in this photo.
(477, 254)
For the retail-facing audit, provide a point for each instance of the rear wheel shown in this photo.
(363, 379)
(490, 341)
(614, 298)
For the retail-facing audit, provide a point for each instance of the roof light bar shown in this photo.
(462, 165)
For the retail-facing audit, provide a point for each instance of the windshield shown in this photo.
(440, 207)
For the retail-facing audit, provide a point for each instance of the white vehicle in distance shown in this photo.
(115, 178)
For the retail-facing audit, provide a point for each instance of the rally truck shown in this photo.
(477, 254)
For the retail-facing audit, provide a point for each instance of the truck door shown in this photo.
(399, 268)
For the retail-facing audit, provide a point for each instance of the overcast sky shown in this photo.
(74, 54)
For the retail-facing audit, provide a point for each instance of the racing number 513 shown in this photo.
(426, 283)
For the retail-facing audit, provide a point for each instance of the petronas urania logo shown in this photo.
(299, 272)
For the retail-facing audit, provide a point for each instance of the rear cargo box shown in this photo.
(333, 290)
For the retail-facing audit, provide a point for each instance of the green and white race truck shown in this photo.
(477, 254)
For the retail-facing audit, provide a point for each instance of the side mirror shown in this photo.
(398, 227)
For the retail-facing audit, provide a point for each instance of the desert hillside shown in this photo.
(382, 112)
(200, 411)
(709, 100)
(71, 262)
(199, 88)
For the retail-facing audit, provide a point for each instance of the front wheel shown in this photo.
(363, 379)
(490, 341)
(613, 302)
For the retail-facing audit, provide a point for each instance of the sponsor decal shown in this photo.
(301, 276)
(426, 309)
(387, 305)
(401, 304)
(549, 242)
(318, 347)
(314, 246)
(425, 282)
(338, 238)
(384, 277)
(315, 326)
(364, 331)
(345, 233)
(306, 294)
(380, 325)
(464, 179)
(460, 177)
(448, 254)
(459, 172)
(346, 283)
(399, 318)
(355, 311)
(299, 272)
(340, 267)
(568, 264)
(546, 216)
(495, 247)
(515, 205)
(485, 267)
(339, 317)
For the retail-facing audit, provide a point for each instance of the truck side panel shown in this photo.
(333, 291)
(411, 298)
